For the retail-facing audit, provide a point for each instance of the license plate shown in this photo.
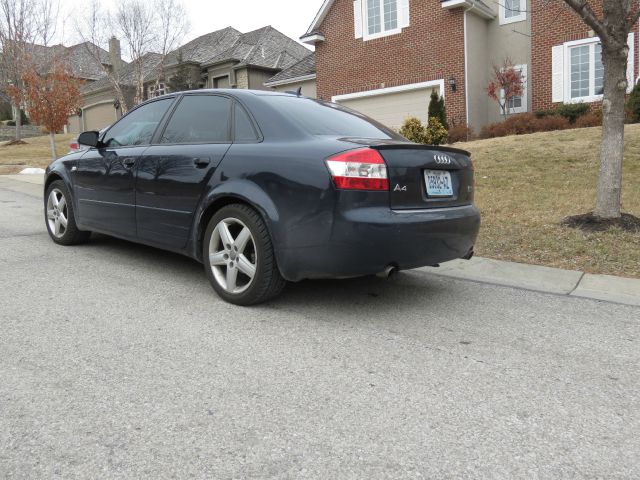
(438, 183)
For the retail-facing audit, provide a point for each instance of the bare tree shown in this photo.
(173, 22)
(144, 27)
(93, 28)
(613, 27)
(22, 24)
(136, 22)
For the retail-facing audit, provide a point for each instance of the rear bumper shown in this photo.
(365, 241)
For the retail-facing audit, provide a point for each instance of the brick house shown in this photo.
(385, 57)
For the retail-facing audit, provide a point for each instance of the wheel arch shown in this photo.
(252, 197)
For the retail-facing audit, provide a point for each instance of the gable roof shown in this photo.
(150, 62)
(78, 58)
(205, 46)
(305, 69)
(484, 12)
(319, 18)
(265, 47)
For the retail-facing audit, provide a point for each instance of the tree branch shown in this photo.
(582, 8)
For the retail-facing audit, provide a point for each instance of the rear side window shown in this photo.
(199, 119)
(321, 118)
(137, 127)
(244, 131)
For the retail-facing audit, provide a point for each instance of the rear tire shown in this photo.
(59, 216)
(238, 257)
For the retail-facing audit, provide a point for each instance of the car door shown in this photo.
(175, 170)
(104, 181)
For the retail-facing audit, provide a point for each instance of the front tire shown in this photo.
(59, 216)
(239, 258)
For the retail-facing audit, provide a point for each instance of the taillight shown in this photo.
(362, 169)
(74, 146)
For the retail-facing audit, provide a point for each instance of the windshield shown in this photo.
(323, 118)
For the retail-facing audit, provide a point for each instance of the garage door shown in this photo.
(99, 116)
(392, 109)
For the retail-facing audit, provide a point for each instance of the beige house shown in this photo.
(225, 58)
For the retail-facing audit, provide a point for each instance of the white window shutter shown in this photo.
(357, 15)
(403, 11)
(557, 73)
(630, 63)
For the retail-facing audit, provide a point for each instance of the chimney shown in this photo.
(115, 55)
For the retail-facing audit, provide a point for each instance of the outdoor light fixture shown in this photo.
(453, 84)
(116, 104)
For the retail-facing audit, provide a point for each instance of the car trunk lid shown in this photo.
(424, 176)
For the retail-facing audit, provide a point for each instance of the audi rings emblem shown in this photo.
(442, 159)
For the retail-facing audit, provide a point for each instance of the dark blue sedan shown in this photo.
(264, 188)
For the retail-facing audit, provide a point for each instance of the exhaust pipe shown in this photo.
(387, 272)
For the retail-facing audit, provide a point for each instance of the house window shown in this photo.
(518, 104)
(156, 90)
(513, 11)
(586, 72)
(381, 17)
(577, 73)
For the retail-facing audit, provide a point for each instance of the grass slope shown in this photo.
(526, 184)
(35, 153)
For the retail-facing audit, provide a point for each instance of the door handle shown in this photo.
(129, 162)
(201, 161)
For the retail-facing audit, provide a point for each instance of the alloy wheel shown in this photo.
(232, 255)
(57, 213)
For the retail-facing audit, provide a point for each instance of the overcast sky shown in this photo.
(291, 17)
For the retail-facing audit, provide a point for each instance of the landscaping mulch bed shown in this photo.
(588, 222)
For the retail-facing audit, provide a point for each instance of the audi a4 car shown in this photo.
(265, 188)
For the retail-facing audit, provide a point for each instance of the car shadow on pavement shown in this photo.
(363, 293)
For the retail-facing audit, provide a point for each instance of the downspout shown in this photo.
(466, 67)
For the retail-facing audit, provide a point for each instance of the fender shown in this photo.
(245, 191)
(62, 169)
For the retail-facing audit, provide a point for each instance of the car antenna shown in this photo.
(297, 93)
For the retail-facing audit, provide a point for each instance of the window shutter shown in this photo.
(557, 73)
(404, 13)
(630, 63)
(357, 15)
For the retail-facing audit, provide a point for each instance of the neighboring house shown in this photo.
(84, 61)
(385, 57)
(225, 58)
(301, 75)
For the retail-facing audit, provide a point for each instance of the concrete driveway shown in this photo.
(118, 361)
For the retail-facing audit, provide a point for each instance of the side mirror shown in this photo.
(90, 139)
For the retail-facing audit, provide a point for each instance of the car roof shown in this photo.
(237, 92)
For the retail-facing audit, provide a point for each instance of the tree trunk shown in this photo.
(52, 140)
(612, 147)
(18, 120)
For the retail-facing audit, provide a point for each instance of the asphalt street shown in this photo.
(119, 361)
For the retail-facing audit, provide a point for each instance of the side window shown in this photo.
(199, 119)
(243, 129)
(137, 127)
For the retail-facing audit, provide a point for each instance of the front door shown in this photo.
(174, 172)
(104, 181)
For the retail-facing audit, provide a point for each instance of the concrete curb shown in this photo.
(530, 277)
(37, 178)
(543, 279)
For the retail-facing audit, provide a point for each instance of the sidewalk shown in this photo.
(543, 279)
(530, 277)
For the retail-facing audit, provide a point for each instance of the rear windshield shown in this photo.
(322, 118)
